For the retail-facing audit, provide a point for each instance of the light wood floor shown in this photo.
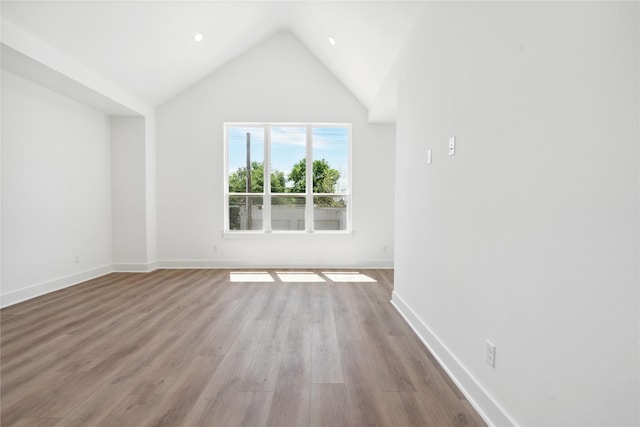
(200, 348)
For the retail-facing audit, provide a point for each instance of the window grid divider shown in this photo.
(266, 191)
(309, 183)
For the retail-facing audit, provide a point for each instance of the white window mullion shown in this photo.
(309, 184)
(349, 179)
(226, 179)
(266, 215)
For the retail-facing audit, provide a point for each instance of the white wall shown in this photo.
(128, 189)
(42, 64)
(529, 235)
(56, 201)
(50, 67)
(278, 81)
(133, 193)
(150, 189)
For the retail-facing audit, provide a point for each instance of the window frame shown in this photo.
(266, 194)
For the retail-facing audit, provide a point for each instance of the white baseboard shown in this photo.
(487, 407)
(39, 289)
(135, 268)
(381, 264)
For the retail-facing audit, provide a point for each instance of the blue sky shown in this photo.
(288, 146)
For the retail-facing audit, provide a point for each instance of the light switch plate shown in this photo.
(490, 354)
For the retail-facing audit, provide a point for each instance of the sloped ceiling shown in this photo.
(147, 47)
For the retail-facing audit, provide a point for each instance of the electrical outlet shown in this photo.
(452, 145)
(490, 354)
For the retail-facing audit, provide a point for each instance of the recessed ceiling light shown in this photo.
(332, 41)
(198, 37)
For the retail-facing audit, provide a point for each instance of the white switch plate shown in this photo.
(429, 158)
(490, 354)
(452, 145)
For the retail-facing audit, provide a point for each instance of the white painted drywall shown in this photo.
(133, 193)
(134, 169)
(56, 197)
(150, 189)
(278, 81)
(55, 69)
(128, 190)
(529, 235)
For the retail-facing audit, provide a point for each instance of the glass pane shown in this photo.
(329, 213)
(330, 159)
(246, 146)
(287, 213)
(245, 213)
(288, 159)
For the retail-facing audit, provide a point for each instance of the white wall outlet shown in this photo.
(490, 354)
(429, 157)
(452, 145)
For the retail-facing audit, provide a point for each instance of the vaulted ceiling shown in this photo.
(147, 47)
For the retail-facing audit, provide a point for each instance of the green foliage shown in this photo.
(325, 180)
(298, 177)
(238, 180)
(278, 182)
(329, 202)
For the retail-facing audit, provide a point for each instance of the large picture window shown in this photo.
(287, 177)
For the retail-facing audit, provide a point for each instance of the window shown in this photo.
(287, 177)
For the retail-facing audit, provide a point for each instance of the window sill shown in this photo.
(286, 235)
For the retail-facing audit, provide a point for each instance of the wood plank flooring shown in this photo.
(222, 348)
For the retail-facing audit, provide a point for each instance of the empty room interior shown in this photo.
(320, 213)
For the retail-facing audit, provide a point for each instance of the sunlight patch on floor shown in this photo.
(250, 276)
(299, 276)
(348, 276)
